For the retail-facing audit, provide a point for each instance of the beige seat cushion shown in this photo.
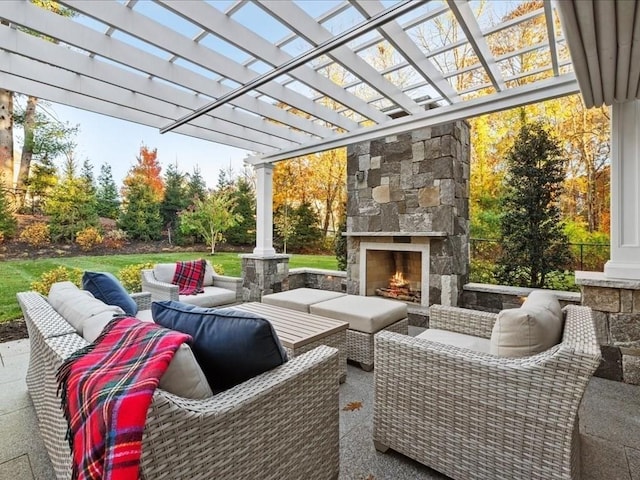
(533, 328)
(364, 314)
(183, 377)
(77, 306)
(144, 315)
(300, 298)
(477, 344)
(211, 297)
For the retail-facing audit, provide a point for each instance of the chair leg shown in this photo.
(380, 447)
(367, 367)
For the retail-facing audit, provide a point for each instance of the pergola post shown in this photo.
(264, 210)
(625, 196)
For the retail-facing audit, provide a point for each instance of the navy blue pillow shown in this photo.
(104, 286)
(231, 346)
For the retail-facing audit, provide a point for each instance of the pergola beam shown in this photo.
(297, 20)
(397, 37)
(510, 98)
(214, 22)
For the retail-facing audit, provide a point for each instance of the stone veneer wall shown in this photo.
(616, 308)
(414, 183)
(332, 280)
(493, 298)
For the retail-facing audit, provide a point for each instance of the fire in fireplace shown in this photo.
(395, 274)
(400, 289)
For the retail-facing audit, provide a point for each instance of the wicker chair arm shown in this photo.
(230, 283)
(462, 320)
(220, 436)
(159, 290)
(142, 299)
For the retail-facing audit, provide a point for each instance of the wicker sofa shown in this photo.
(472, 415)
(218, 289)
(282, 424)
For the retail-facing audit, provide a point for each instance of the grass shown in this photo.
(17, 275)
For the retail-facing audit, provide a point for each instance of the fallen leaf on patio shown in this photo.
(370, 477)
(352, 407)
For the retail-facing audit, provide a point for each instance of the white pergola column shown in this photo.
(625, 192)
(264, 210)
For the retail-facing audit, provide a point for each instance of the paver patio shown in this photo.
(609, 427)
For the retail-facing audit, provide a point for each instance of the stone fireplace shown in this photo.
(408, 213)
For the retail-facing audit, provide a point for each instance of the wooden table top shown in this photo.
(294, 328)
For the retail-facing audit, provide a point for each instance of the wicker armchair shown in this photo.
(476, 416)
(219, 289)
(282, 424)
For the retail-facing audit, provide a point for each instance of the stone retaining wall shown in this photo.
(493, 298)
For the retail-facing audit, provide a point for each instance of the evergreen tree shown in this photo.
(43, 178)
(108, 201)
(140, 216)
(8, 222)
(86, 175)
(532, 237)
(142, 193)
(196, 187)
(244, 232)
(175, 199)
(72, 205)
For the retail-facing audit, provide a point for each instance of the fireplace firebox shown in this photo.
(395, 270)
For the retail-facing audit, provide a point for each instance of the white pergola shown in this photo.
(282, 79)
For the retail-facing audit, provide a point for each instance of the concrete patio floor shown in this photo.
(609, 427)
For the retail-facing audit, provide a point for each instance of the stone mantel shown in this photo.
(394, 234)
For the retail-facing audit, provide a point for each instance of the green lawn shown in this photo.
(17, 275)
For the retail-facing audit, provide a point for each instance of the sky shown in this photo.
(104, 139)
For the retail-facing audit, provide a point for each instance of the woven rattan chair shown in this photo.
(282, 424)
(476, 416)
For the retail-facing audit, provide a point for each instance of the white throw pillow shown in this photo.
(533, 328)
(76, 305)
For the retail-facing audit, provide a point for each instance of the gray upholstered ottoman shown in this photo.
(300, 298)
(366, 317)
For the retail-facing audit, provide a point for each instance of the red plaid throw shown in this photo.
(106, 389)
(189, 277)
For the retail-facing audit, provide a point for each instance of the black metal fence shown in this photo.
(586, 256)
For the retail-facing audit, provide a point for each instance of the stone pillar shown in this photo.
(616, 310)
(625, 196)
(264, 210)
(264, 275)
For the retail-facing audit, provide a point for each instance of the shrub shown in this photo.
(88, 238)
(130, 276)
(481, 271)
(36, 234)
(59, 274)
(219, 269)
(115, 239)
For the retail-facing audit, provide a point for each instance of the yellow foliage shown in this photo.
(59, 274)
(36, 234)
(130, 276)
(88, 238)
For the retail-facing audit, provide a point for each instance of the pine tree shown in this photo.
(142, 193)
(86, 175)
(72, 205)
(175, 199)
(244, 232)
(140, 216)
(196, 186)
(532, 236)
(107, 196)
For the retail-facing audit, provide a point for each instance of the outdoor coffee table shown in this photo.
(300, 332)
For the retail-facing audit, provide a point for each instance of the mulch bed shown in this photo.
(13, 330)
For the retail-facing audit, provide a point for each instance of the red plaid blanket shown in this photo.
(189, 277)
(106, 389)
